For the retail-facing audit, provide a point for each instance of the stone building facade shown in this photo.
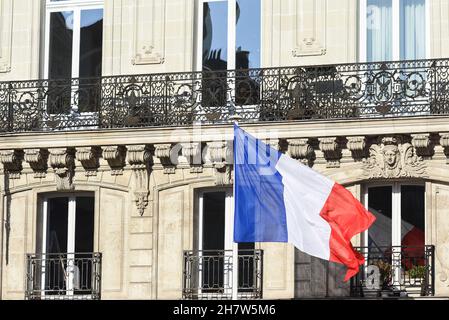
(116, 143)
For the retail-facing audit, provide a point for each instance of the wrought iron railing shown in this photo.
(63, 276)
(359, 90)
(208, 274)
(395, 271)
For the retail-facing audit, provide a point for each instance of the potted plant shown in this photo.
(417, 274)
(385, 271)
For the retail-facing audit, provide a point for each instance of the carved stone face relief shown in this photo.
(390, 158)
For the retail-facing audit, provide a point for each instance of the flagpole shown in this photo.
(235, 246)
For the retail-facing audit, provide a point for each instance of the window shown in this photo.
(393, 30)
(399, 211)
(217, 250)
(66, 244)
(396, 240)
(73, 49)
(229, 38)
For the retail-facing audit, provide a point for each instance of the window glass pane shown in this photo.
(247, 51)
(412, 214)
(379, 30)
(60, 62)
(247, 34)
(215, 47)
(57, 225)
(84, 225)
(60, 51)
(413, 29)
(213, 240)
(91, 43)
(215, 35)
(214, 220)
(84, 243)
(380, 204)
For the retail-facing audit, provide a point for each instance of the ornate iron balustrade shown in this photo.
(384, 89)
(395, 271)
(63, 276)
(207, 274)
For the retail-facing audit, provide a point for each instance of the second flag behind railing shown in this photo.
(278, 199)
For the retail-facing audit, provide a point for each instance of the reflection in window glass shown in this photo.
(60, 51)
(215, 47)
(247, 51)
(91, 36)
(412, 214)
(380, 204)
(60, 61)
(215, 35)
(247, 34)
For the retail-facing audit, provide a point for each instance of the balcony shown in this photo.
(344, 91)
(209, 274)
(395, 272)
(65, 276)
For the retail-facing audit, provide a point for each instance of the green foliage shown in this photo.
(417, 272)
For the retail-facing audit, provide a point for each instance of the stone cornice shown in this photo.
(282, 130)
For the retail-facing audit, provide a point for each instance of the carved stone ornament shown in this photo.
(37, 159)
(62, 160)
(444, 142)
(330, 146)
(115, 156)
(89, 158)
(220, 156)
(423, 144)
(192, 152)
(165, 153)
(301, 150)
(357, 146)
(12, 162)
(139, 157)
(390, 158)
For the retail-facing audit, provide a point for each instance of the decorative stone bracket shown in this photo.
(139, 157)
(424, 145)
(165, 154)
(301, 150)
(357, 146)
(115, 156)
(90, 159)
(12, 162)
(331, 148)
(37, 159)
(192, 152)
(220, 155)
(444, 142)
(62, 160)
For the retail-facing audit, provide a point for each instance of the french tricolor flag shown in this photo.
(278, 199)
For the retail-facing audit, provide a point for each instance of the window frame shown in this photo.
(76, 6)
(396, 214)
(396, 30)
(71, 230)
